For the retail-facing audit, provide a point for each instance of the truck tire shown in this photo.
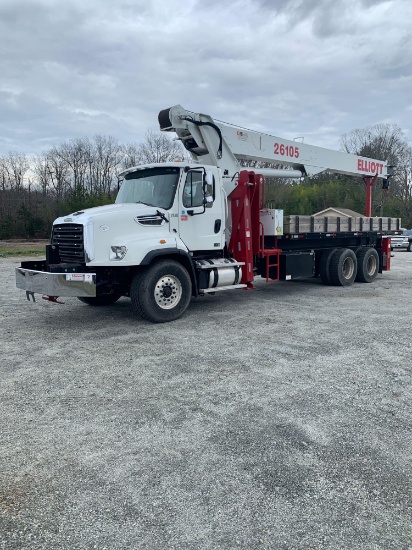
(162, 292)
(103, 300)
(343, 267)
(409, 249)
(324, 265)
(368, 265)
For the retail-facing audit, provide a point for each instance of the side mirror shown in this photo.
(209, 188)
(209, 178)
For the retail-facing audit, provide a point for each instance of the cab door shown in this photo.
(201, 210)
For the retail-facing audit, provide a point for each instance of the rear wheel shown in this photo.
(343, 267)
(103, 300)
(162, 292)
(368, 265)
(324, 266)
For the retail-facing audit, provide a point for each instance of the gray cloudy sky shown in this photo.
(317, 68)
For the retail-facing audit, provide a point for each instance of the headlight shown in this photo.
(118, 252)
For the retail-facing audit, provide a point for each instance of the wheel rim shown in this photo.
(168, 292)
(348, 268)
(371, 265)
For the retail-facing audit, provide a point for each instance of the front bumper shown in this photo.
(56, 284)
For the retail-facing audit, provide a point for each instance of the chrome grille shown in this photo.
(69, 237)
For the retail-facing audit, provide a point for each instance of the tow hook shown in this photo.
(52, 299)
(30, 293)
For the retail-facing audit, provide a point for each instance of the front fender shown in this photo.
(138, 247)
(179, 255)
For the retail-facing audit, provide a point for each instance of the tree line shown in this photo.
(77, 174)
(82, 173)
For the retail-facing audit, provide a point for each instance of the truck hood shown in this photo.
(127, 210)
(137, 227)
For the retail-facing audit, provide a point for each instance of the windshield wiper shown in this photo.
(161, 215)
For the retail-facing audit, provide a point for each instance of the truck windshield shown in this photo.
(154, 187)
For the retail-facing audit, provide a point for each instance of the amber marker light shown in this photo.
(162, 241)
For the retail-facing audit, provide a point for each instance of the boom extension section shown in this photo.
(223, 145)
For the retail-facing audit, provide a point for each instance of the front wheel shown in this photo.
(162, 292)
(410, 246)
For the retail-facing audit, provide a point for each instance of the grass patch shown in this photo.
(9, 248)
(21, 252)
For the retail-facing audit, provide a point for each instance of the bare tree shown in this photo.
(57, 168)
(105, 156)
(402, 189)
(385, 142)
(4, 178)
(382, 142)
(76, 156)
(130, 156)
(13, 169)
(41, 172)
(158, 147)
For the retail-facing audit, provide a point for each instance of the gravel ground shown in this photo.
(278, 418)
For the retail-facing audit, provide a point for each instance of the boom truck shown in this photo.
(178, 230)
